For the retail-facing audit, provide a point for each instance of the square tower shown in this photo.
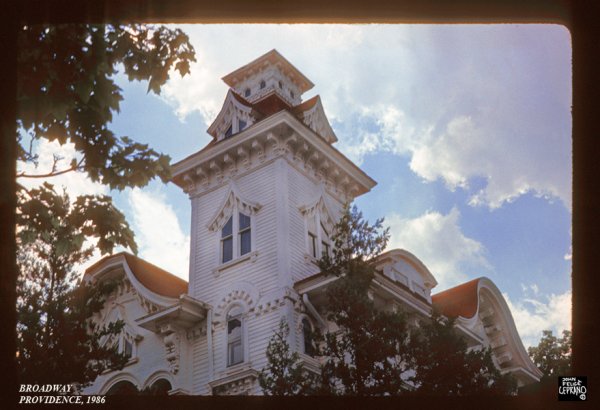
(265, 193)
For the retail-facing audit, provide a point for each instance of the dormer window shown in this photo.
(247, 92)
(292, 94)
(280, 84)
(262, 84)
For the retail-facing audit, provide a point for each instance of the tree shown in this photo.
(552, 355)
(284, 374)
(366, 355)
(66, 93)
(443, 364)
(57, 342)
(373, 351)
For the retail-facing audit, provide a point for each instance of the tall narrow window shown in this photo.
(229, 131)
(247, 92)
(324, 241)
(235, 350)
(312, 237)
(241, 125)
(309, 347)
(127, 348)
(312, 244)
(244, 233)
(227, 241)
(262, 84)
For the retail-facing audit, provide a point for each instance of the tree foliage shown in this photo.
(372, 350)
(365, 356)
(552, 355)
(66, 92)
(285, 374)
(444, 365)
(56, 340)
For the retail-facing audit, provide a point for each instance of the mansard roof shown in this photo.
(310, 112)
(480, 300)
(461, 300)
(152, 277)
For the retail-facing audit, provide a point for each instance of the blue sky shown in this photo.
(466, 129)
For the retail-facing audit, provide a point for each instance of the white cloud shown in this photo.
(532, 316)
(438, 241)
(158, 234)
(485, 102)
(75, 183)
(511, 166)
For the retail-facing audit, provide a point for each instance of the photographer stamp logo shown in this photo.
(573, 388)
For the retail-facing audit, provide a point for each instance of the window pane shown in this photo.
(244, 222)
(245, 242)
(324, 233)
(228, 228)
(325, 248)
(234, 341)
(307, 334)
(312, 244)
(229, 132)
(227, 250)
(234, 329)
(128, 348)
(235, 353)
(241, 125)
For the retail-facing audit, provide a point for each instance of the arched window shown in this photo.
(262, 84)
(160, 387)
(307, 336)
(123, 387)
(235, 346)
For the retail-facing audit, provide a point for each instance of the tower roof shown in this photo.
(271, 58)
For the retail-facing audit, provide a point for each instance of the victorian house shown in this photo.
(265, 194)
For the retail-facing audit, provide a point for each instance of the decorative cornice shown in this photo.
(280, 135)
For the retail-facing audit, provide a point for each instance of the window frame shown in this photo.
(241, 339)
(316, 242)
(304, 319)
(236, 251)
(223, 239)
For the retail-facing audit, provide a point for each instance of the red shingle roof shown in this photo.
(151, 276)
(461, 300)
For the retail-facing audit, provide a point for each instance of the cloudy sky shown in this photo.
(466, 129)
